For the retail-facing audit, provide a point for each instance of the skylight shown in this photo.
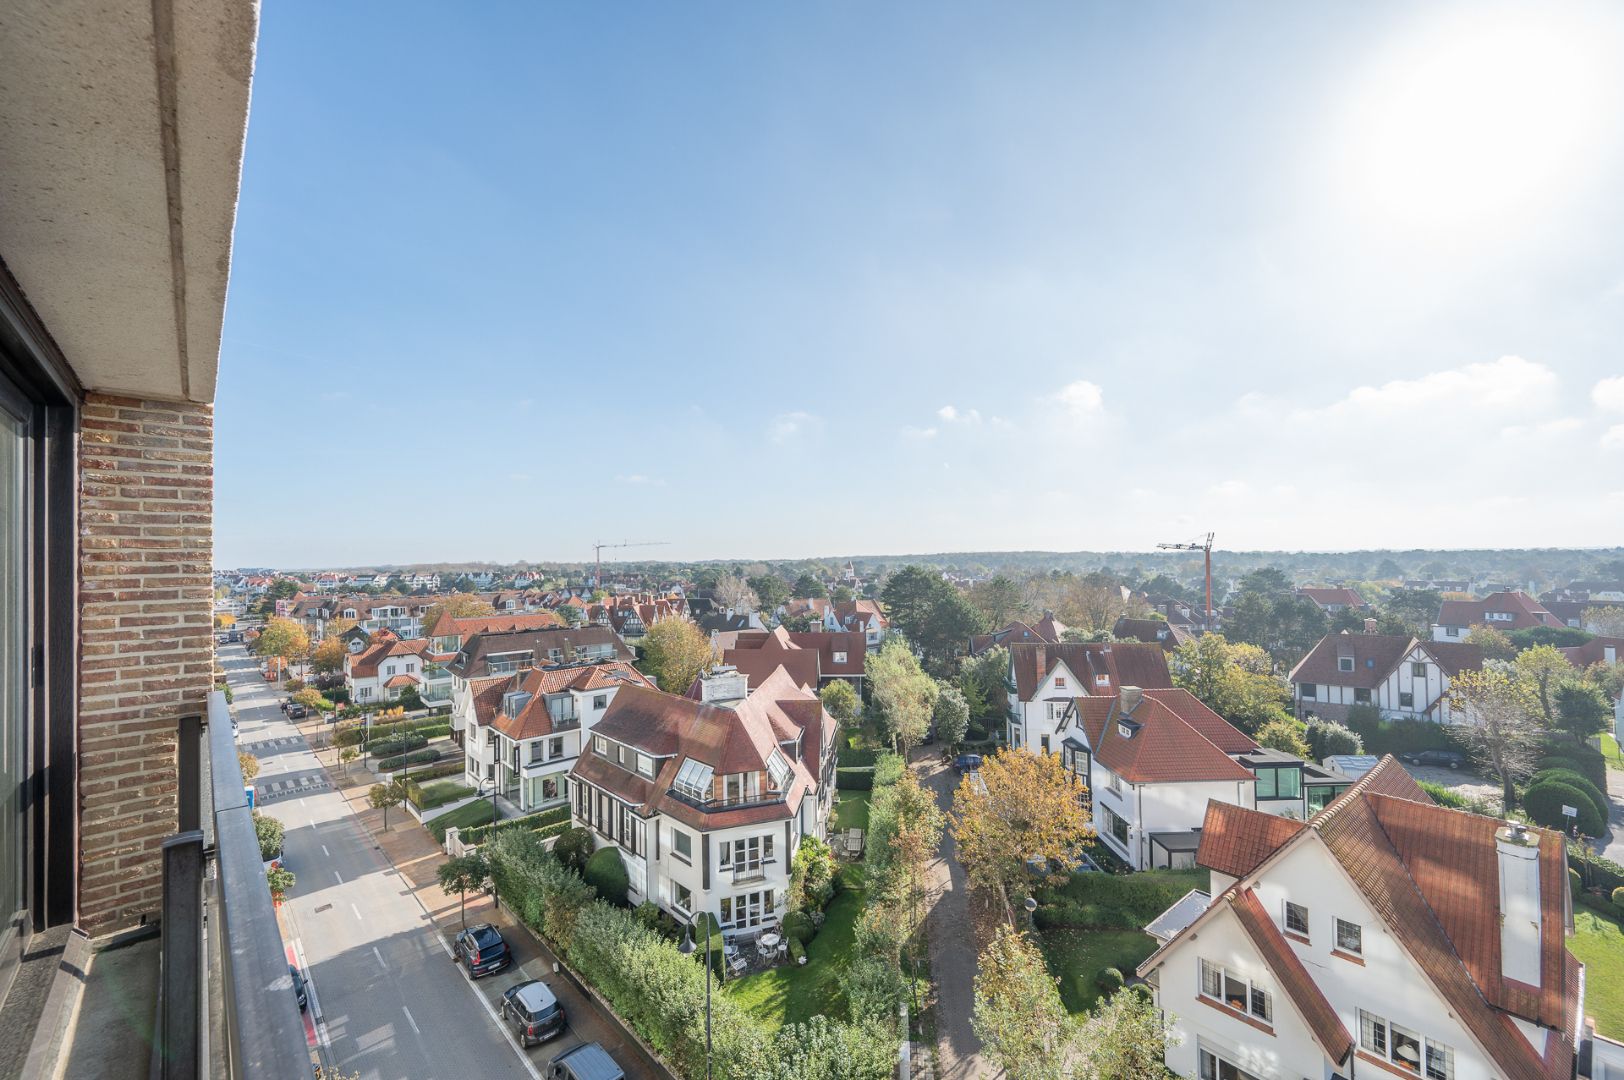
(694, 779)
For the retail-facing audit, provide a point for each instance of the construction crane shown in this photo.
(1206, 547)
(597, 549)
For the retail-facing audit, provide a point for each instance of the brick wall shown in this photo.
(146, 647)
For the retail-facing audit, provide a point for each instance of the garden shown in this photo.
(1598, 942)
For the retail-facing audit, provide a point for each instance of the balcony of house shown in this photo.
(210, 979)
(726, 801)
(508, 667)
(750, 871)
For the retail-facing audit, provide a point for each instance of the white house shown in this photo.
(1406, 678)
(385, 669)
(466, 652)
(1047, 677)
(1508, 609)
(707, 800)
(525, 730)
(1386, 936)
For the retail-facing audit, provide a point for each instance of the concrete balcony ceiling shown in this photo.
(121, 138)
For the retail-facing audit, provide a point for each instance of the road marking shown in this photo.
(379, 955)
(335, 872)
(325, 852)
(310, 992)
(410, 1021)
(357, 913)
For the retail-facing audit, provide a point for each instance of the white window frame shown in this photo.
(1336, 936)
(1286, 918)
(1344, 664)
(1251, 991)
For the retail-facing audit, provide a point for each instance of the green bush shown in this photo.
(270, 832)
(432, 796)
(1604, 809)
(888, 769)
(393, 746)
(400, 761)
(1327, 737)
(855, 779)
(557, 818)
(798, 927)
(797, 952)
(1618, 896)
(1443, 796)
(1561, 636)
(574, 848)
(606, 872)
(1397, 736)
(857, 757)
(1583, 759)
(1544, 802)
(1110, 981)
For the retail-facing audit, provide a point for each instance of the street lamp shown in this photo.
(491, 780)
(687, 948)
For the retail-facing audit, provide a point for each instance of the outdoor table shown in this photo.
(768, 943)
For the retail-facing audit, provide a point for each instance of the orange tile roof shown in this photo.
(1164, 749)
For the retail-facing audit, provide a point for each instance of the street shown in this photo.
(386, 999)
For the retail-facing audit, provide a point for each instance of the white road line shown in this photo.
(379, 955)
(325, 852)
(410, 1021)
(357, 913)
(335, 872)
(310, 991)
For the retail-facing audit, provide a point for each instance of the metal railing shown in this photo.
(220, 930)
(751, 871)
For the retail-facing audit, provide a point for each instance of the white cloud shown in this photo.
(1559, 426)
(791, 425)
(951, 415)
(1507, 383)
(918, 433)
(1609, 394)
(519, 477)
(1614, 438)
(639, 480)
(1081, 398)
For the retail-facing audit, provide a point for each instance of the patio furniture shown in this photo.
(768, 943)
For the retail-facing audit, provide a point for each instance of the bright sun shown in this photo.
(1483, 116)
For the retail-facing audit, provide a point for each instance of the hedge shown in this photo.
(855, 779)
(1604, 809)
(1584, 760)
(435, 795)
(1544, 802)
(548, 822)
(401, 745)
(1400, 736)
(400, 761)
(606, 872)
(1598, 871)
(857, 757)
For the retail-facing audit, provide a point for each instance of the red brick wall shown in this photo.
(146, 647)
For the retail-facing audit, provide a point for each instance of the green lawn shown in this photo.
(1598, 942)
(1076, 958)
(792, 994)
(1610, 751)
(463, 817)
(852, 811)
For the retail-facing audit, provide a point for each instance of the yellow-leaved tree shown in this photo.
(1018, 806)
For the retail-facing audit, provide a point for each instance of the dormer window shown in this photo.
(694, 779)
(1344, 663)
(514, 701)
(778, 771)
(1102, 680)
(840, 658)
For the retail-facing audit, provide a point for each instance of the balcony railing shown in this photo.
(254, 1031)
(751, 871)
(727, 802)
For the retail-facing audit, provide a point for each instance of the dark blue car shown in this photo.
(482, 950)
(967, 762)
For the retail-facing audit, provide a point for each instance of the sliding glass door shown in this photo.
(16, 497)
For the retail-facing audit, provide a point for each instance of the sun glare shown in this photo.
(1483, 116)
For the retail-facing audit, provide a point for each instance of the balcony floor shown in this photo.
(111, 1037)
(26, 1002)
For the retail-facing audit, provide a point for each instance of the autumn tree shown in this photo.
(284, 639)
(1094, 602)
(1605, 621)
(458, 606)
(950, 715)
(1544, 669)
(734, 594)
(328, 656)
(997, 598)
(902, 690)
(249, 765)
(1019, 806)
(841, 701)
(1234, 680)
(1019, 1016)
(1124, 1037)
(675, 652)
(1493, 641)
(1502, 728)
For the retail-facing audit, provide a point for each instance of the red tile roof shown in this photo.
(466, 627)
(1122, 664)
(1236, 840)
(535, 720)
(1164, 749)
(1373, 655)
(1524, 609)
(1327, 597)
(1300, 987)
(364, 665)
(1014, 633)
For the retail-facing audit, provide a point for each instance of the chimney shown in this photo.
(1370, 626)
(1518, 851)
(723, 685)
(1609, 653)
(1131, 697)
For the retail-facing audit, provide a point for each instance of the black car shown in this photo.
(482, 950)
(1448, 759)
(297, 712)
(965, 763)
(533, 1011)
(299, 987)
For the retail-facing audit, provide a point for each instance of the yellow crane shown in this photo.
(597, 550)
(1202, 546)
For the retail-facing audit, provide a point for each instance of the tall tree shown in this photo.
(1093, 603)
(283, 638)
(909, 595)
(1413, 609)
(841, 702)
(1024, 806)
(1018, 1014)
(458, 606)
(1545, 670)
(808, 587)
(951, 715)
(1502, 728)
(732, 592)
(984, 681)
(675, 651)
(902, 690)
(770, 589)
(328, 656)
(1493, 641)
(1233, 680)
(1607, 621)
(1582, 710)
(997, 598)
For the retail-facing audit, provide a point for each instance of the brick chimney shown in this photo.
(1518, 852)
(1131, 697)
(1370, 626)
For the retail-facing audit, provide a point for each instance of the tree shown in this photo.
(909, 595)
(458, 606)
(1019, 1016)
(1582, 710)
(733, 593)
(347, 755)
(281, 880)
(902, 690)
(770, 590)
(283, 589)
(951, 715)
(1412, 611)
(270, 833)
(461, 874)
(841, 702)
(932, 614)
(1544, 669)
(573, 848)
(329, 655)
(1493, 641)
(1327, 737)
(284, 639)
(312, 699)
(984, 682)
(997, 598)
(1094, 602)
(842, 594)
(1025, 806)
(808, 587)
(1125, 1037)
(384, 796)
(675, 652)
(1284, 734)
(1233, 680)
(250, 766)
(1606, 621)
(1502, 728)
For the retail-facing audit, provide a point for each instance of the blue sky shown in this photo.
(775, 281)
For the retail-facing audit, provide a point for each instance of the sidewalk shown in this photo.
(411, 849)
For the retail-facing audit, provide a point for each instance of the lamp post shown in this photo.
(687, 948)
(491, 780)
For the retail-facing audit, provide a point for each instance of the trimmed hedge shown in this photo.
(855, 779)
(1604, 809)
(1584, 760)
(857, 757)
(401, 745)
(431, 796)
(548, 822)
(1597, 871)
(606, 872)
(1544, 802)
(400, 761)
(1400, 736)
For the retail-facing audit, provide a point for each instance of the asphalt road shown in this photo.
(388, 1001)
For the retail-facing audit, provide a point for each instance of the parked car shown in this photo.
(482, 950)
(967, 762)
(533, 1011)
(299, 991)
(589, 1061)
(1449, 759)
(297, 712)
